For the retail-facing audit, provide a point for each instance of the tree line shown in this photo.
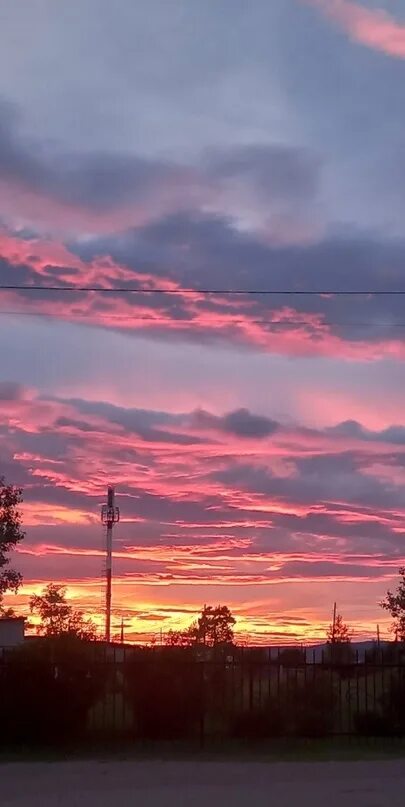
(214, 627)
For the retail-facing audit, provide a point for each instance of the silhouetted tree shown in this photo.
(10, 535)
(394, 603)
(213, 628)
(181, 638)
(339, 650)
(338, 631)
(58, 617)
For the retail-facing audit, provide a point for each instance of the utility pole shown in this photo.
(378, 637)
(122, 630)
(334, 623)
(110, 515)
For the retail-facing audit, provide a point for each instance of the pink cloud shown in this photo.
(27, 206)
(375, 28)
(238, 320)
(284, 331)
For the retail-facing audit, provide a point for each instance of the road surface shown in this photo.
(202, 784)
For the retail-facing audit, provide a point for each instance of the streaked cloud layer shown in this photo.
(256, 440)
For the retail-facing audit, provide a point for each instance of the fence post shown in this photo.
(202, 704)
(250, 686)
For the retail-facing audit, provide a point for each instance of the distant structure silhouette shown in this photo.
(110, 515)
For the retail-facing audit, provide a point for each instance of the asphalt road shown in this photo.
(202, 784)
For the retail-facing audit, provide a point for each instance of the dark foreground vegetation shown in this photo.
(57, 691)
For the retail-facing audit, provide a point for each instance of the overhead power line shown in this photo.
(255, 292)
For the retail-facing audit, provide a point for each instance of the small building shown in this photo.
(11, 631)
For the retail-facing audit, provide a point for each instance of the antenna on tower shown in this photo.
(110, 515)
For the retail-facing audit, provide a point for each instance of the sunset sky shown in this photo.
(256, 441)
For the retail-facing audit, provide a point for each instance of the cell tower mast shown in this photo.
(110, 515)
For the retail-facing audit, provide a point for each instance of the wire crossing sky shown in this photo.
(125, 290)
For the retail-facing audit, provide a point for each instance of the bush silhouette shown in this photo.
(165, 691)
(371, 724)
(393, 705)
(304, 710)
(261, 723)
(50, 687)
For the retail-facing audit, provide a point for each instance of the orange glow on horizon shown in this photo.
(148, 620)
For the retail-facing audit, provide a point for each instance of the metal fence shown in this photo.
(171, 694)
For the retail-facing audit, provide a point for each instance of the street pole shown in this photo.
(334, 623)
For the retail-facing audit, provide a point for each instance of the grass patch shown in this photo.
(345, 750)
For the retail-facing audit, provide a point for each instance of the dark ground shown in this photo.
(374, 783)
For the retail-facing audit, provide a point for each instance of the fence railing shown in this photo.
(172, 694)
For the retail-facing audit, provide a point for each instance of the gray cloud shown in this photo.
(150, 425)
(195, 248)
(197, 82)
(326, 478)
(11, 391)
(240, 423)
(97, 181)
(353, 429)
(219, 256)
(365, 160)
(151, 75)
(276, 175)
(147, 424)
(275, 171)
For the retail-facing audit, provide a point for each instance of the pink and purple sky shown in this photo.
(257, 443)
